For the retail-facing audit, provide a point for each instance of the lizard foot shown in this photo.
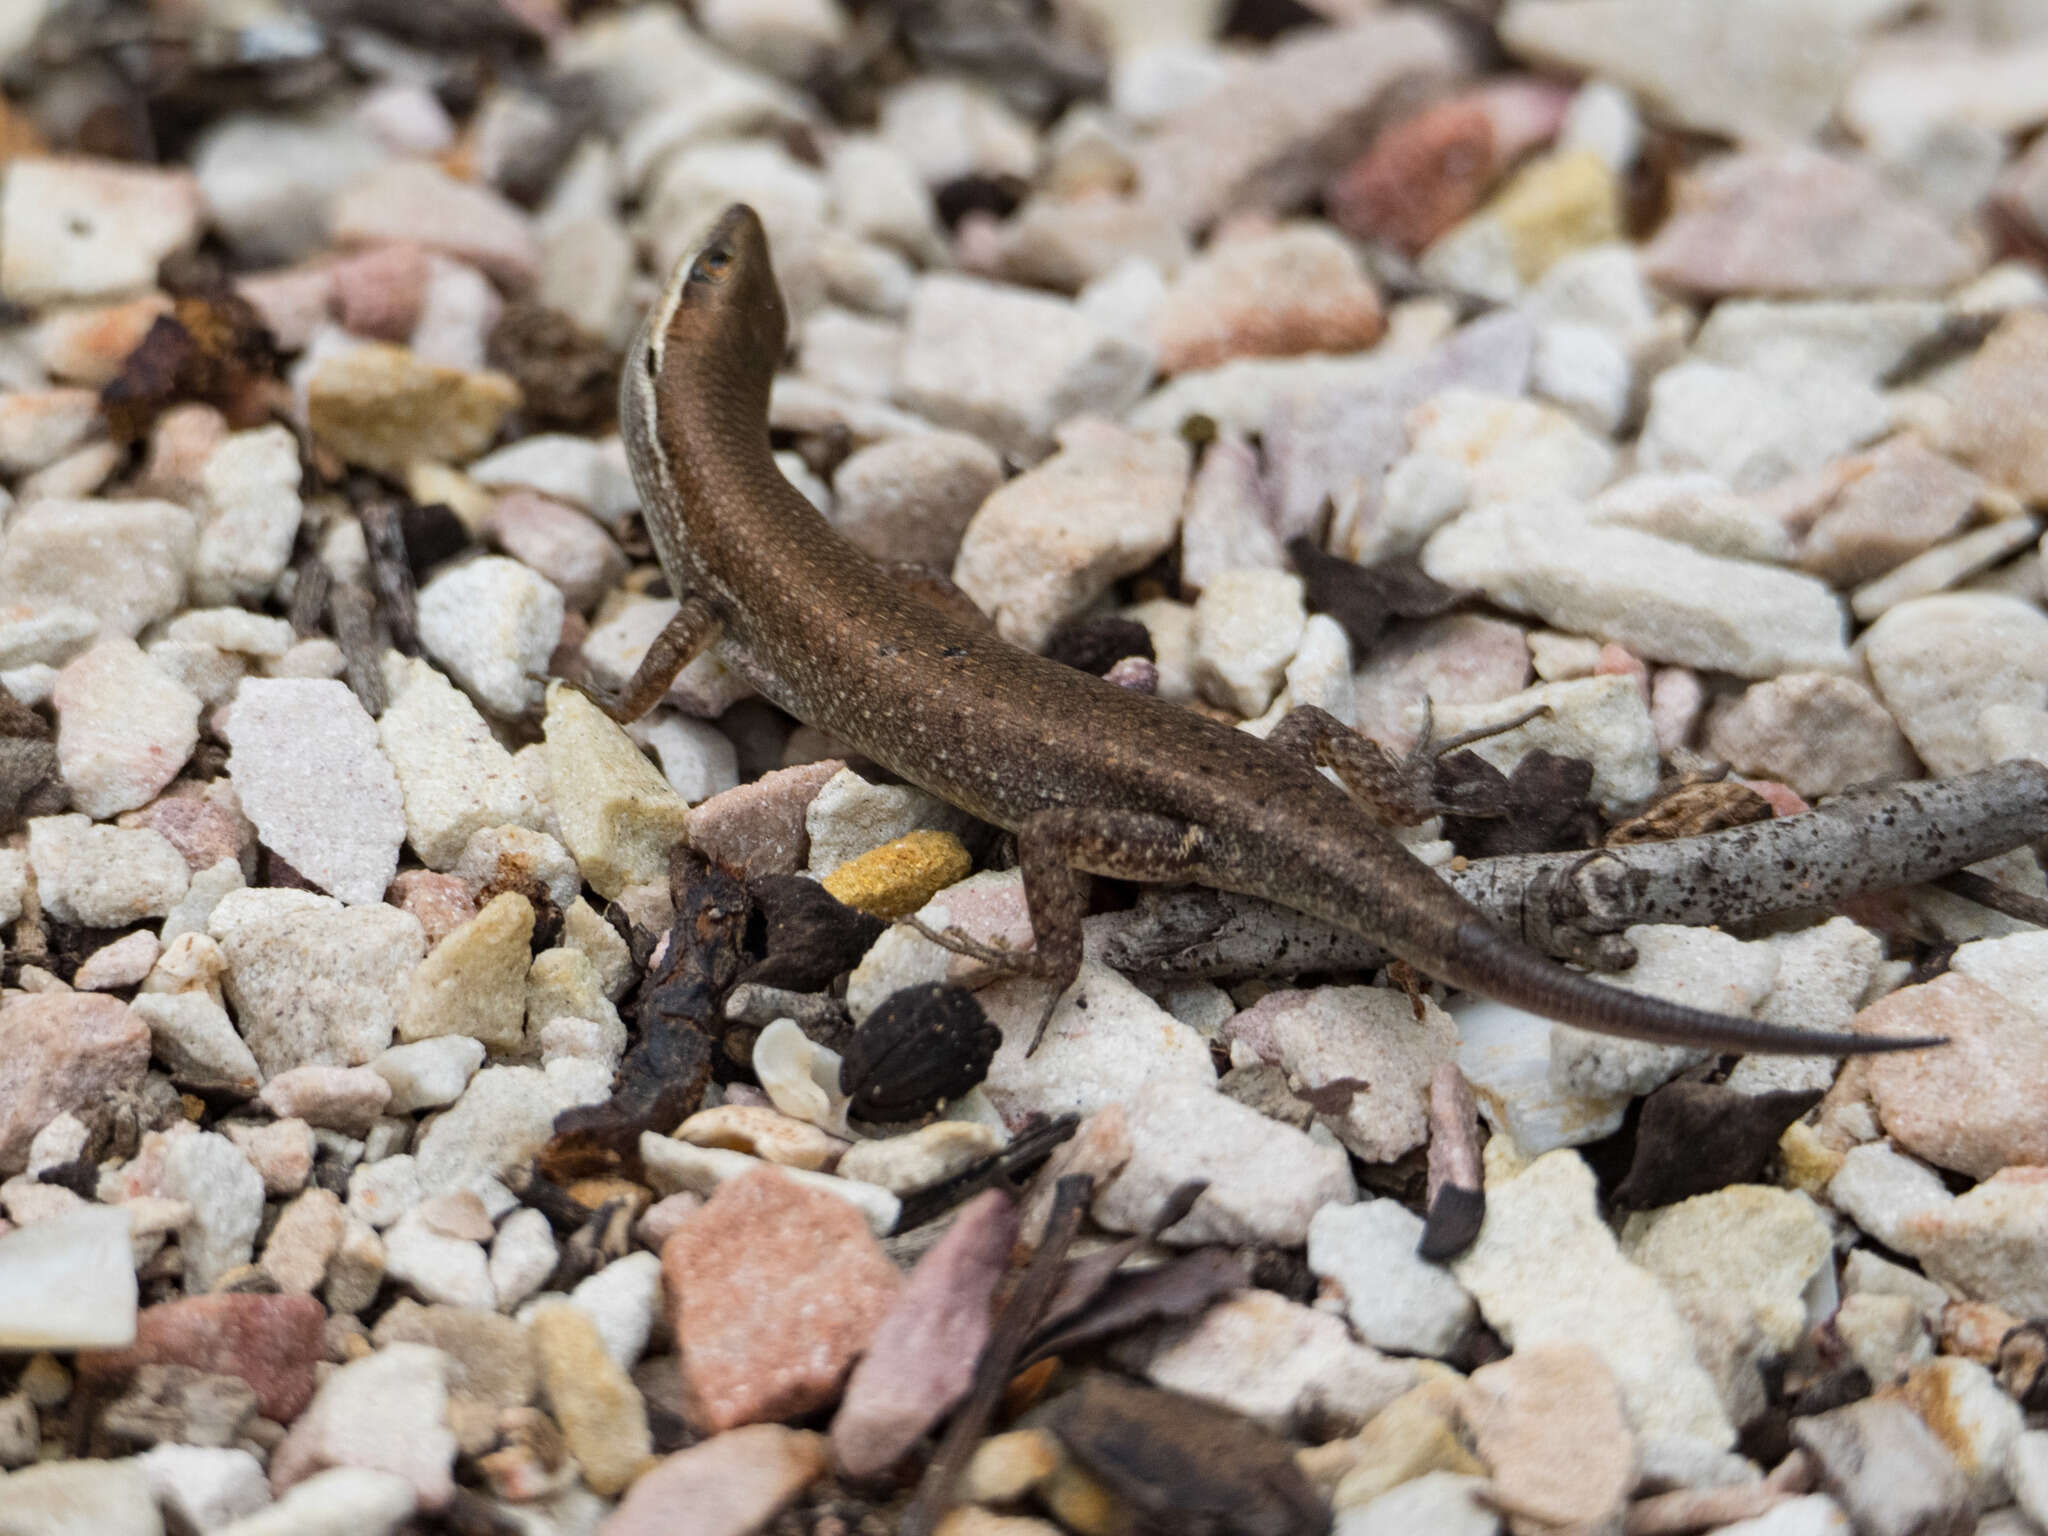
(998, 961)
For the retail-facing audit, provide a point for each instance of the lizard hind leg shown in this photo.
(1057, 851)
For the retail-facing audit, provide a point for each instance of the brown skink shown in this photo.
(1093, 779)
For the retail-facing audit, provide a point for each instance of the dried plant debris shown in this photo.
(1691, 810)
(921, 1047)
(1365, 599)
(807, 937)
(398, 1064)
(1182, 1465)
(1543, 806)
(568, 379)
(1693, 1138)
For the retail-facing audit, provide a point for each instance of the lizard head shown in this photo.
(705, 356)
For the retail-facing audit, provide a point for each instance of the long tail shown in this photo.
(1483, 959)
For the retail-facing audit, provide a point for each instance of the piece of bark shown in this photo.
(1694, 1138)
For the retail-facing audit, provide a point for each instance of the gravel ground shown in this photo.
(426, 1107)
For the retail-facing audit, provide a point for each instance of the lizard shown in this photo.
(1091, 778)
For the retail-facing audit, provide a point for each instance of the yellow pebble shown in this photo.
(1809, 1162)
(897, 878)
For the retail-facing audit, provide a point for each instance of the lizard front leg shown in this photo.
(1057, 851)
(1398, 791)
(694, 626)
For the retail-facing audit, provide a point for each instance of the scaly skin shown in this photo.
(1092, 777)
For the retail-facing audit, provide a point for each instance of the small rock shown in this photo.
(1395, 1299)
(676, 1166)
(83, 229)
(57, 552)
(124, 728)
(193, 1039)
(898, 877)
(311, 981)
(1816, 731)
(308, 772)
(1940, 662)
(1273, 132)
(502, 1119)
(1795, 220)
(1360, 1056)
(225, 1192)
(1548, 1422)
(767, 1134)
(1444, 1503)
(1960, 1110)
(384, 408)
(345, 1099)
(560, 542)
(1738, 1263)
(66, 1052)
(1998, 406)
(305, 1237)
(1963, 1404)
(1010, 365)
(343, 1501)
(1662, 600)
(68, 1282)
(774, 1290)
(1284, 1365)
(1266, 1180)
(1248, 625)
(101, 876)
(282, 1151)
(921, 1360)
(925, 1156)
(1040, 548)
(493, 624)
(74, 1498)
(1545, 1269)
(430, 1073)
(1299, 289)
(1886, 1469)
(617, 814)
(473, 983)
(910, 498)
(122, 963)
(174, 1403)
(1754, 430)
(1897, 501)
(250, 511)
(732, 1483)
(1509, 450)
(1105, 1040)
(1948, 564)
(386, 1412)
(601, 1413)
(271, 1342)
(413, 200)
(38, 427)
(455, 778)
(204, 1488)
(523, 1255)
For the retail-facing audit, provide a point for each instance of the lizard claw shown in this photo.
(995, 961)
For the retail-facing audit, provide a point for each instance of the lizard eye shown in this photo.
(711, 264)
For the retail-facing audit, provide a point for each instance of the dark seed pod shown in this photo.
(923, 1046)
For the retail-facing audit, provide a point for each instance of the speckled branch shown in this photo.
(1577, 904)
